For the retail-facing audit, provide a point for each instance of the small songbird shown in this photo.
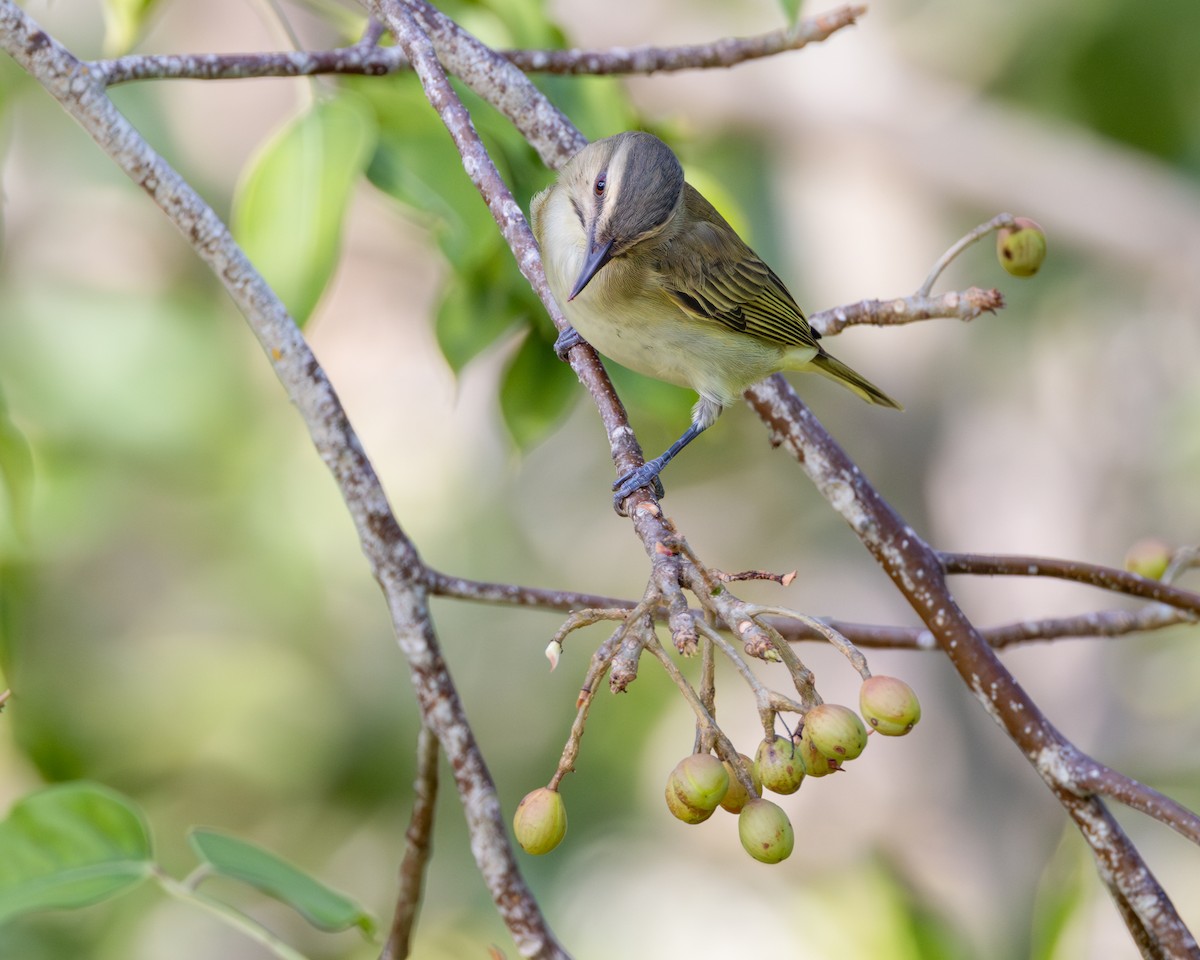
(652, 276)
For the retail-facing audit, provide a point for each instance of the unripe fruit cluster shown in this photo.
(831, 736)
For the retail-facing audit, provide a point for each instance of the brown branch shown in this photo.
(959, 305)
(1102, 623)
(917, 571)
(367, 59)
(511, 594)
(727, 52)
(1107, 578)
(417, 848)
(393, 558)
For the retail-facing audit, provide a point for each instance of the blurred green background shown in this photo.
(187, 618)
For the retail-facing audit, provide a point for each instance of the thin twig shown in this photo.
(1107, 578)
(963, 305)
(843, 645)
(996, 223)
(417, 847)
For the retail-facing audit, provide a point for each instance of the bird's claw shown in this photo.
(635, 479)
(566, 340)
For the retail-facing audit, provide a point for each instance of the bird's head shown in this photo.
(624, 189)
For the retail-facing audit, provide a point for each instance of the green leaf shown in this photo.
(471, 316)
(289, 208)
(324, 908)
(69, 846)
(536, 391)
(124, 21)
(791, 9)
(16, 472)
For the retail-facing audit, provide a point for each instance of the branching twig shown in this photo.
(366, 58)
(917, 571)
(393, 558)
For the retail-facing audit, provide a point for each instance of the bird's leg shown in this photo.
(648, 472)
(566, 340)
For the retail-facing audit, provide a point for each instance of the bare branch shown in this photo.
(393, 558)
(1108, 578)
(960, 305)
(727, 52)
(369, 59)
(360, 59)
(1093, 778)
(461, 588)
(917, 571)
(417, 847)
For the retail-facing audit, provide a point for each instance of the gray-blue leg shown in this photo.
(648, 472)
(566, 340)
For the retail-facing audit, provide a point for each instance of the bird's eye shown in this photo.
(601, 183)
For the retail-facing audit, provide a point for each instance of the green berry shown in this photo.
(1149, 558)
(889, 705)
(779, 767)
(816, 764)
(765, 831)
(540, 822)
(1021, 247)
(696, 787)
(835, 731)
(737, 796)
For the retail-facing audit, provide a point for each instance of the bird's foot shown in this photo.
(642, 476)
(566, 340)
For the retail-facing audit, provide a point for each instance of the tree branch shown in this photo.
(917, 571)
(365, 58)
(393, 558)
(1107, 578)
(417, 848)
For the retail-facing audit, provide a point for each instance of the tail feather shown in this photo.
(836, 370)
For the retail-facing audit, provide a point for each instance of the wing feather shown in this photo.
(716, 277)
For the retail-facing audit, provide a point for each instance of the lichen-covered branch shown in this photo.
(365, 58)
(726, 52)
(958, 304)
(917, 571)
(392, 556)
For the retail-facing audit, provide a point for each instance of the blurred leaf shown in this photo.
(536, 391)
(1062, 893)
(16, 472)
(324, 908)
(69, 846)
(472, 315)
(791, 9)
(289, 208)
(124, 21)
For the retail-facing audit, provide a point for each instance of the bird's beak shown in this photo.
(599, 256)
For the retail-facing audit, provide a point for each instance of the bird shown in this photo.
(652, 276)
